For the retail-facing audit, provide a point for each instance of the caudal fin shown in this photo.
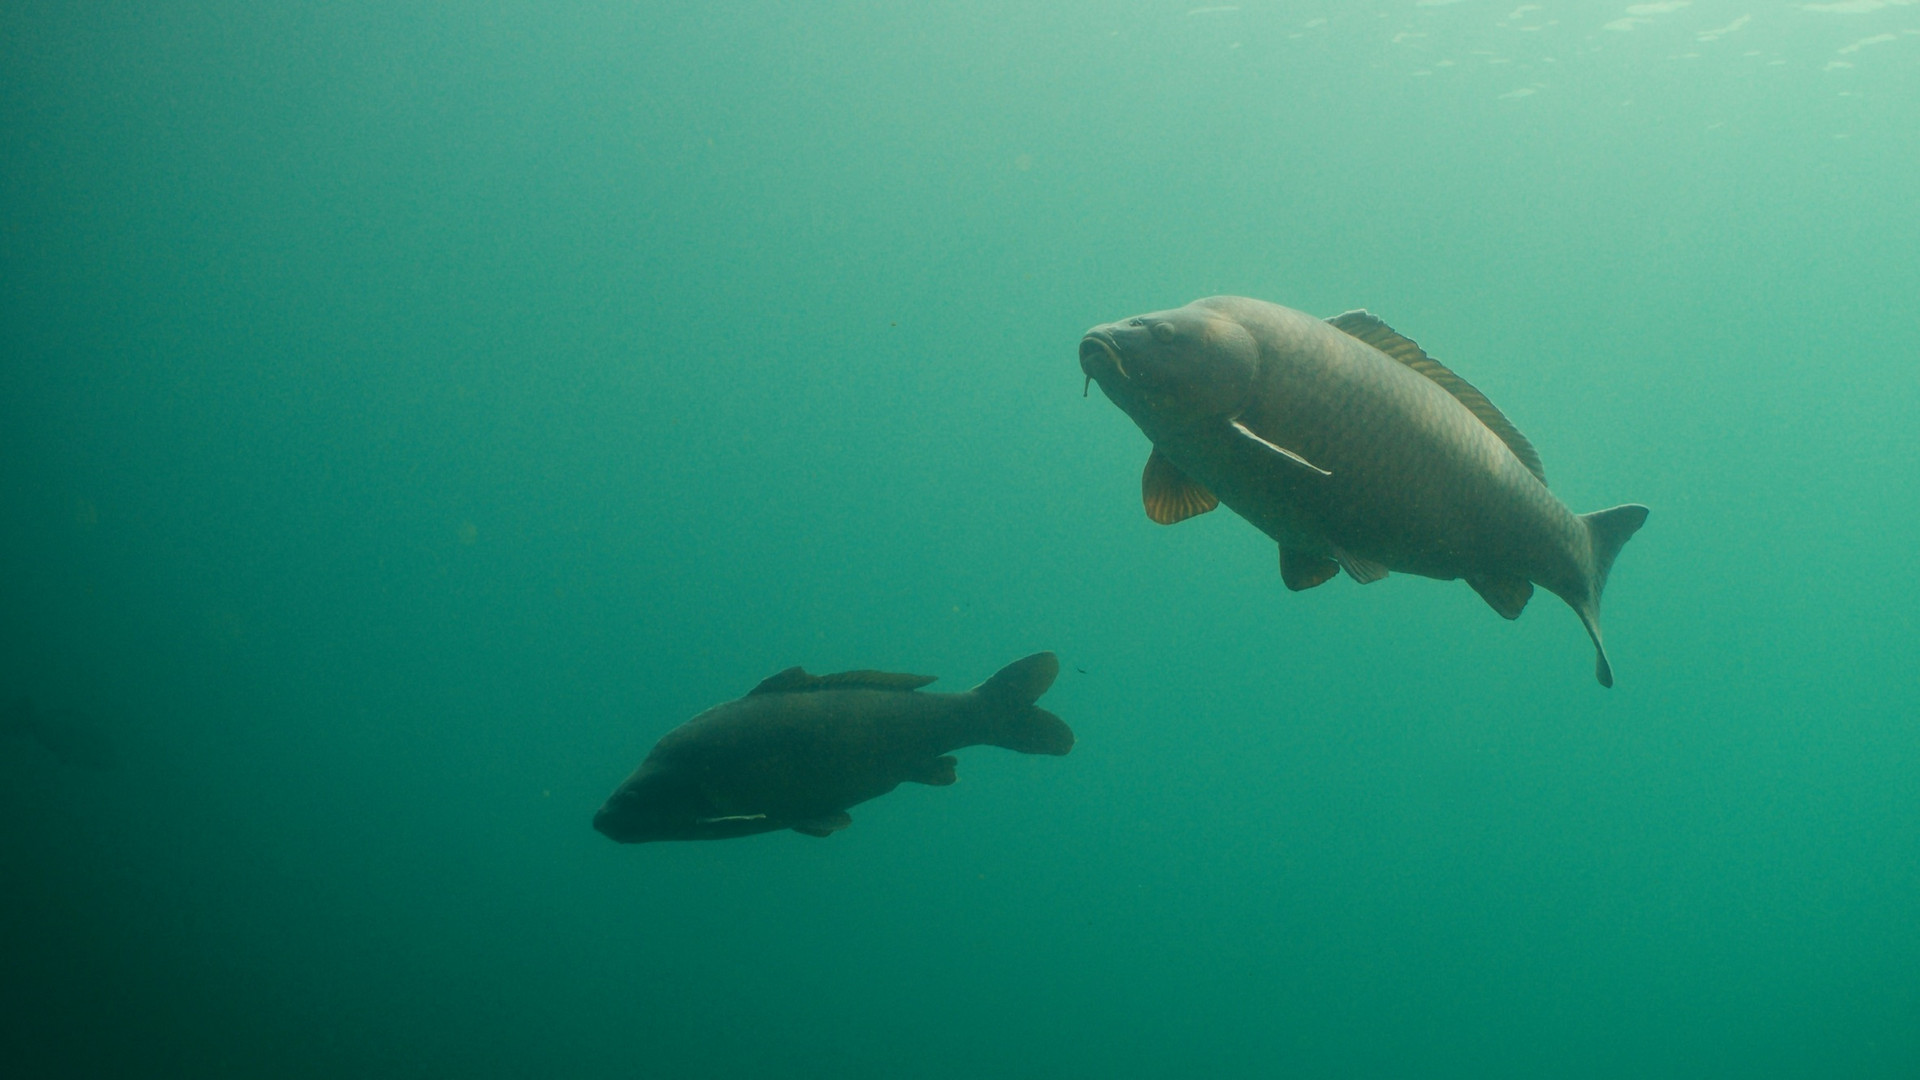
(1609, 529)
(1013, 720)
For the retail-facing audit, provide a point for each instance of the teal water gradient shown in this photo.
(409, 412)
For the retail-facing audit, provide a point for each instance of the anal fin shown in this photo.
(1507, 595)
(935, 772)
(1168, 493)
(824, 825)
(1302, 571)
(1364, 571)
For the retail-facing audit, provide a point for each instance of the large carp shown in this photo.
(800, 749)
(1353, 449)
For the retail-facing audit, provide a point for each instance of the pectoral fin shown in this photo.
(824, 825)
(1169, 494)
(1506, 595)
(1302, 571)
(1278, 449)
(935, 772)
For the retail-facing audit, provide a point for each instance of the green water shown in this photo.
(410, 412)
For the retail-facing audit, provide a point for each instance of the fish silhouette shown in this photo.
(800, 749)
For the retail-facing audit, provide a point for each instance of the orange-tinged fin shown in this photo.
(1302, 571)
(1169, 495)
(936, 772)
(1506, 595)
(796, 681)
(1369, 328)
(824, 825)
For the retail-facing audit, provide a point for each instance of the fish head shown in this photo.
(1171, 369)
(649, 805)
(659, 802)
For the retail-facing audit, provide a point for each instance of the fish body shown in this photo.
(1350, 447)
(800, 749)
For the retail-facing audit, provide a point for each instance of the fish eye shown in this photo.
(1162, 332)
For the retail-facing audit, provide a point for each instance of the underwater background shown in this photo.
(410, 412)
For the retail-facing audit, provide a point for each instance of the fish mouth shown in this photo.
(608, 824)
(1095, 345)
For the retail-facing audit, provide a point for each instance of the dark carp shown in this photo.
(800, 749)
(1353, 449)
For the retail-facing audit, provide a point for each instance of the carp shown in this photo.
(1353, 449)
(800, 749)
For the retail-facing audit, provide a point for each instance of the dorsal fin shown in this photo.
(1372, 330)
(796, 681)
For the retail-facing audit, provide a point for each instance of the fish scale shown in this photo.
(1344, 442)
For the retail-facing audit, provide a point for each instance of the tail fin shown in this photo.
(1014, 721)
(1609, 530)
